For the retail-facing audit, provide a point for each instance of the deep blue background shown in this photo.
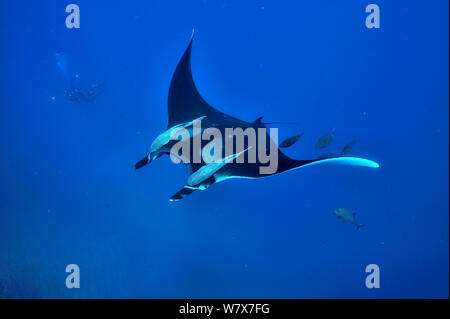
(70, 194)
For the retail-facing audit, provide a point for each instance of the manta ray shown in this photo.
(185, 105)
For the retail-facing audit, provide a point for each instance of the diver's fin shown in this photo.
(358, 226)
(141, 163)
(185, 191)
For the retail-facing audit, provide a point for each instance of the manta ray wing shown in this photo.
(184, 101)
(185, 104)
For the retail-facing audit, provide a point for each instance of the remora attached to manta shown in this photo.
(185, 104)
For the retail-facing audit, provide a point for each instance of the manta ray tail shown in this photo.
(141, 163)
(185, 191)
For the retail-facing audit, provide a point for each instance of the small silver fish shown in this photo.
(325, 140)
(348, 148)
(347, 216)
(291, 140)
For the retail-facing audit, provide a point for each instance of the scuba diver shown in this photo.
(73, 93)
(76, 95)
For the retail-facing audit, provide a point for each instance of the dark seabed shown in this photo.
(70, 193)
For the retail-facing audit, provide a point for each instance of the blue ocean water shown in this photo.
(70, 193)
